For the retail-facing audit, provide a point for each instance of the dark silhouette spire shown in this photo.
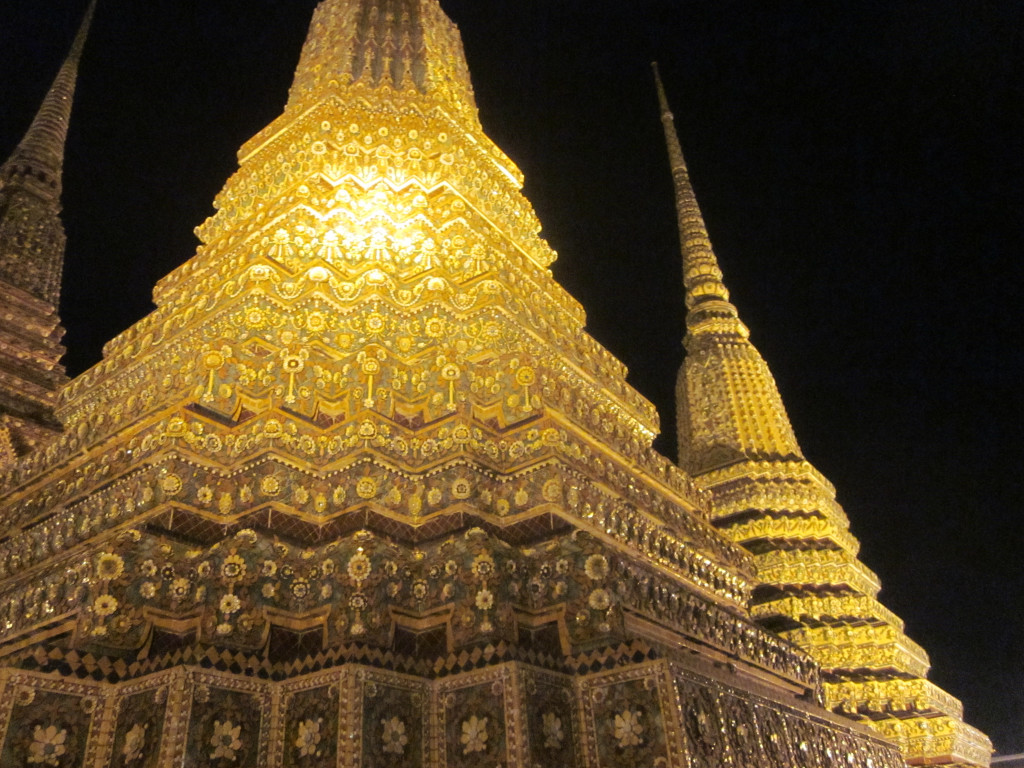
(38, 160)
(31, 262)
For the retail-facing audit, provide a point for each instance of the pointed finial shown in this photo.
(706, 295)
(83, 32)
(39, 159)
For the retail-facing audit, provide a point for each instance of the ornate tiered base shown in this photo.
(621, 707)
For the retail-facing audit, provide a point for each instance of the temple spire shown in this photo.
(728, 406)
(32, 244)
(707, 298)
(38, 160)
(736, 440)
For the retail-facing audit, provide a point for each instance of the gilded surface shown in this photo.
(736, 440)
(662, 713)
(361, 489)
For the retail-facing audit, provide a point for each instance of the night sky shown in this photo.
(860, 166)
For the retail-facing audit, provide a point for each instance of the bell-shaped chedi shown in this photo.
(736, 440)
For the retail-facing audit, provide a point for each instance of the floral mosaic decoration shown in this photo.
(311, 727)
(138, 729)
(224, 729)
(394, 713)
(551, 711)
(475, 725)
(233, 584)
(47, 729)
(628, 720)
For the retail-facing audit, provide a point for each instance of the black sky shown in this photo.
(861, 170)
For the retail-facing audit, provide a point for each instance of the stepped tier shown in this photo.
(736, 440)
(362, 488)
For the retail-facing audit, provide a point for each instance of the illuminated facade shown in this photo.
(736, 441)
(362, 491)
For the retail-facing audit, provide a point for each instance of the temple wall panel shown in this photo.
(724, 726)
(311, 725)
(624, 718)
(229, 719)
(49, 722)
(478, 721)
(552, 718)
(659, 713)
(138, 718)
(393, 714)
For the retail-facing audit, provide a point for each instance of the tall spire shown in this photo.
(736, 440)
(31, 262)
(38, 160)
(728, 406)
(707, 298)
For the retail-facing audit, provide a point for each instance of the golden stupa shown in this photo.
(361, 491)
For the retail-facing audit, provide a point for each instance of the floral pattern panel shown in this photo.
(393, 723)
(627, 722)
(474, 718)
(224, 729)
(138, 729)
(46, 729)
(311, 728)
(551, 712)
